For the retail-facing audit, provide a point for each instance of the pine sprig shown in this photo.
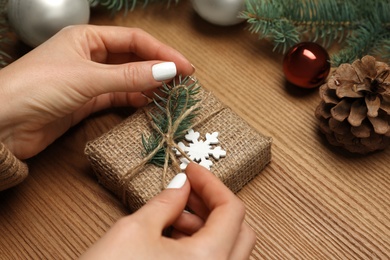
(175, 100)
(285, 22)
(358, 26)
(362, 43)
(267, 20)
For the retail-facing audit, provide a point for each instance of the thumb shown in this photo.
(162, 210)
(130, 77)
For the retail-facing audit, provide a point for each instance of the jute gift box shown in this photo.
(120, 150)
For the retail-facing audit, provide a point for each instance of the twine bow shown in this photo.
(167, 139)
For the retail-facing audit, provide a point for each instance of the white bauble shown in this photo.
(35, 21)
(219, 12)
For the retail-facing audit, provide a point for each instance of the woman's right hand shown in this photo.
(216, 229)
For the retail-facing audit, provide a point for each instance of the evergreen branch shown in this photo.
(371, 37)
(360, 26)
(178, 98)
(270, 26)
(331, 21)
(285, 21)
(383, 10)
(284, 35)
(381, 47)
(362, 41)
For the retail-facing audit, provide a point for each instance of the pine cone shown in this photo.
(355, 106)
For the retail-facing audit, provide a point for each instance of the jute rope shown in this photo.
(167, 140)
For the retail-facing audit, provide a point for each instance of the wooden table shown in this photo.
(311, 202)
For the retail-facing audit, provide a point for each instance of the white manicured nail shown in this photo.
(163, 71)
(178, 181)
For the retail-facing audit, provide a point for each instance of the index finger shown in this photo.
(227, 212)
(136, 41)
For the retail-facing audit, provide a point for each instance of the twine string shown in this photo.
(167, 139)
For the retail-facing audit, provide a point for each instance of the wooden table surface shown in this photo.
(311, 202)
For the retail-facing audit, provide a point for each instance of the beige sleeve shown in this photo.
(12, 170)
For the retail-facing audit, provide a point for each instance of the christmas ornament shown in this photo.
(219, 12)
(355, 108)
(35, 21)
(306, 65)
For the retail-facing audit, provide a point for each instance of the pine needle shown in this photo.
(177, 101)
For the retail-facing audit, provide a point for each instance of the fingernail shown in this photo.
(178, 181)
(147, 98)
(192, 65)
(163, 71)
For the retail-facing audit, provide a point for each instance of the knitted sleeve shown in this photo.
(12, 170)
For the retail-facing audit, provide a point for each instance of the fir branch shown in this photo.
(382, 12)
(371, 37)
(267, 21)
(171, 106)
(357, 46)
(359, 27)
(382, 47)
(286, 22)
(325, 20)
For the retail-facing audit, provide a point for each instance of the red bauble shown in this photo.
(306, 65)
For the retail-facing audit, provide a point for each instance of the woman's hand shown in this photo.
(216, 229)
(79, 71)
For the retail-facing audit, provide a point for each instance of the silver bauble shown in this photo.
(219, 12)
(35, 21)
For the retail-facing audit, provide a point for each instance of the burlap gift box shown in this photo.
(118, 151)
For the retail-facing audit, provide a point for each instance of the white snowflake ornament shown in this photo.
(200, 151)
